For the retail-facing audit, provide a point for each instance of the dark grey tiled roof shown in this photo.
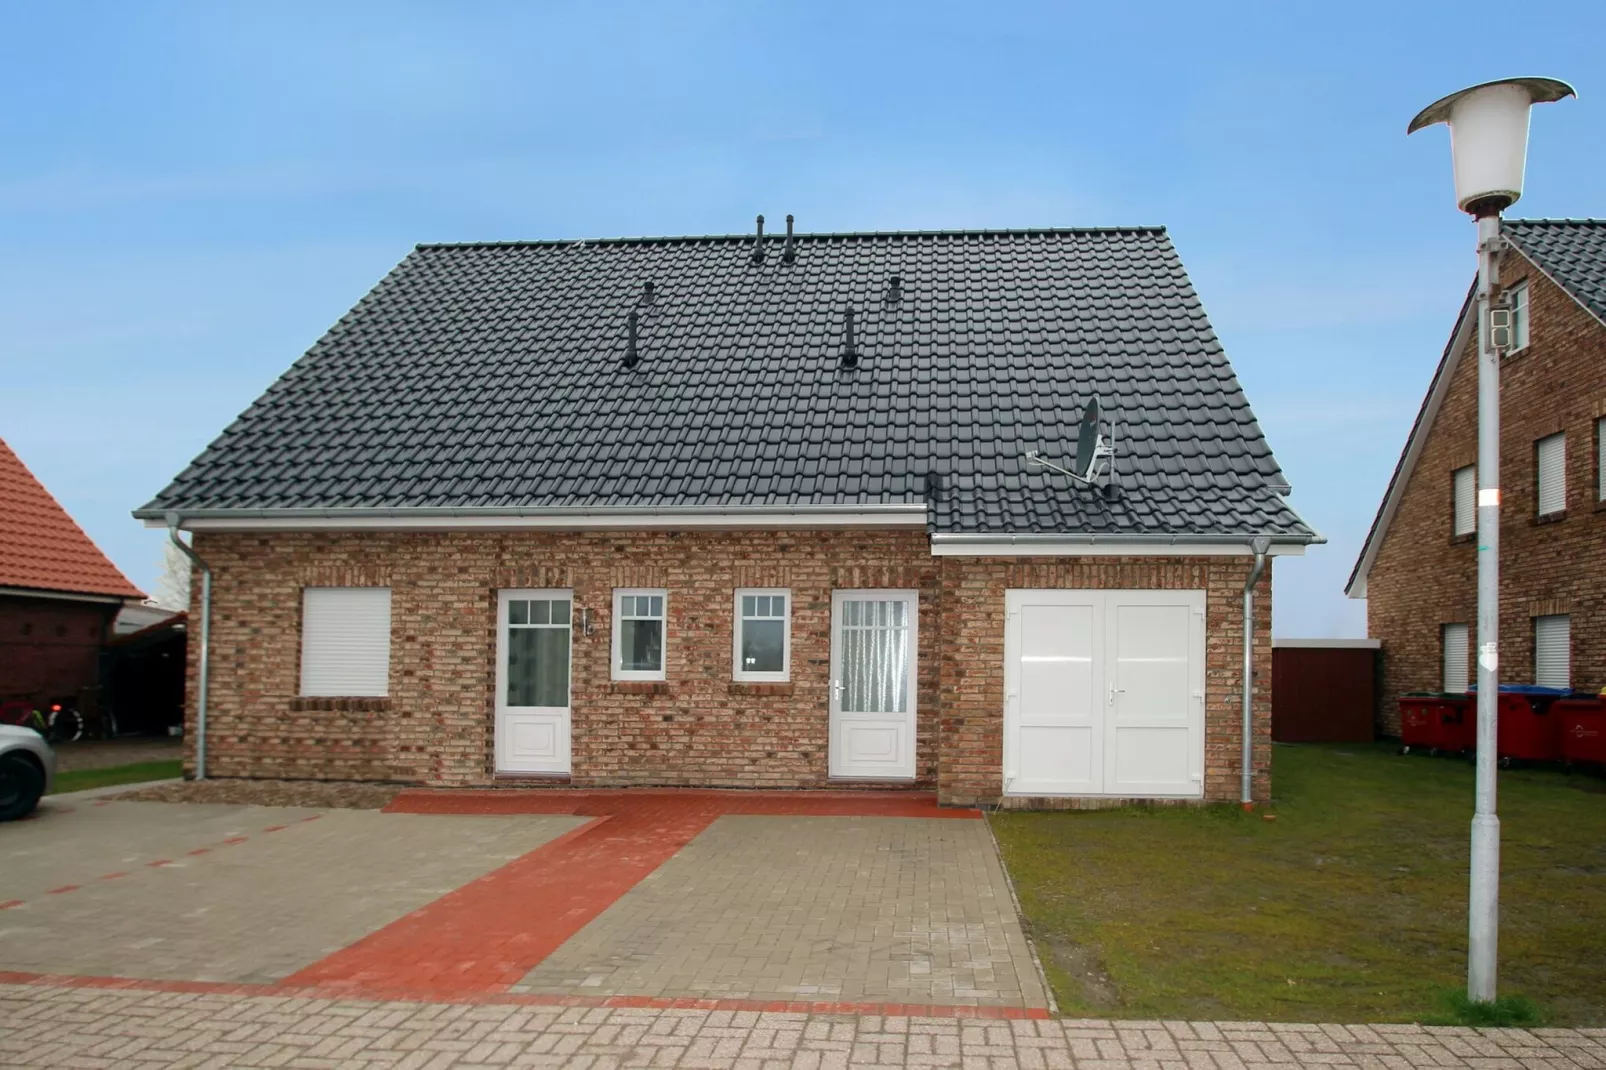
(1571, 251)
(490, 376)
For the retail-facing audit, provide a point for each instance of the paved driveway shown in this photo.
(778, 901)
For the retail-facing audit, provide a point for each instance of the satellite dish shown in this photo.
(1087, 442)
(1095, 452)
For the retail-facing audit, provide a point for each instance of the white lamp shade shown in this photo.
(1489, 137)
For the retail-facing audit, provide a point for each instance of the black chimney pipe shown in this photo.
(758, 245)
(631, 356)
(791, 253)
(850, 352)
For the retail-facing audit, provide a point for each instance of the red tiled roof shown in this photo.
(40, 545)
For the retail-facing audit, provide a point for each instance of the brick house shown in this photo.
(58, 593)
(1418, 567)
(737, 512)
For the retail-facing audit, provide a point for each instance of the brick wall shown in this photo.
(697, 728)
(1424, 577)
(973, 662)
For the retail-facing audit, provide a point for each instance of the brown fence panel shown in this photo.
(1322, 694)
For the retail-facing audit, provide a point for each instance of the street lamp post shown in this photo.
(1489, 144)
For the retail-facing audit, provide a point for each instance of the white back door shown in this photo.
(1154, 661)
(874, 637)
(1104, 693)
(532, 681)
(1054, 693)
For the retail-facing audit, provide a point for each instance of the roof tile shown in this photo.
(41, 548)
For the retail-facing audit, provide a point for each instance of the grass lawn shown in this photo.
(1349, 906)
(138, 773)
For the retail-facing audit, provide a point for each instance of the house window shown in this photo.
(1464, 495)
(1517, 298)
(1453, 637)
(345, 641)
(763, 639)
(1553, 651)
(1551, 476)
(638, 634)
(1600, 459)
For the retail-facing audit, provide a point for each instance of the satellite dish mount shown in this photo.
(1095, 451)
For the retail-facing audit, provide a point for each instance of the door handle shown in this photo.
(836, 689)
(1115, 691)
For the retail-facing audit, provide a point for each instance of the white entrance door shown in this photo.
(1104, 693)
(874, 639)
(532, 681)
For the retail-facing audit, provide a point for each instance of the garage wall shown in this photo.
(972, 681)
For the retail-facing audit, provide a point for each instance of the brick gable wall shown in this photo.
(698, 727)
(1424, 577)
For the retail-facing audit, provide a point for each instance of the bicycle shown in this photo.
(58, 722)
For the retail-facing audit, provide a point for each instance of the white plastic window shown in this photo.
(1551, 477)
(763, 634)
(1464, 484)
(1518, 298)
(345, 641)
(638, 634)
(1553, 651)
(1454, 638)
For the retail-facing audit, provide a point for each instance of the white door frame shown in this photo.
(562, 718)
(839, 768)
(1105, 685)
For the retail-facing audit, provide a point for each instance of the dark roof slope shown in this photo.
(41, 548)
(1570, 251)
(490, 376)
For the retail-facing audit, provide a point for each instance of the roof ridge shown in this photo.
(676, 239)
(1557, 221)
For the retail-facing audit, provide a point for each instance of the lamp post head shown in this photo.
(1489, 137)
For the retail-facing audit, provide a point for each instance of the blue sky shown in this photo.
(191, 193)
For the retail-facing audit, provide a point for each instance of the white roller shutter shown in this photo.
(1552, 476)
(1455, 658)
(345, 641)
(1464, 482)
(1553, 651)
(1600, 460)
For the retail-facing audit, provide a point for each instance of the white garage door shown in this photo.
(1104, 693)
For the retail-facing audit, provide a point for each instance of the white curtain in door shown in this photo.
(875, 657)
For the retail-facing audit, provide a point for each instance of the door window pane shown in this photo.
(875, 657)
(538, 652)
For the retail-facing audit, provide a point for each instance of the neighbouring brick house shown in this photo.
(58, 592)
(727, 512)
(1418, 568)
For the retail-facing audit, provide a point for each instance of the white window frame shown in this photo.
(318, 682)
(739, 622)
(1564, 621)
(1521, 317)
(1464, 500)
(1557, 441)
(617, 660)
(1463, 672)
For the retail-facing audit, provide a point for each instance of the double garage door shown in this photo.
(1104, 693)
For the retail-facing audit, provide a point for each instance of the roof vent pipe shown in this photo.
(850, 352)
(758, 245)
(895, 288)
(631, 356)
(649, 291)
(791, 252)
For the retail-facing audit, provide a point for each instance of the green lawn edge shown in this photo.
(137, 773)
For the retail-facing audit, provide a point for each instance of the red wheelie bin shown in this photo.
(1581, 720)
(1435, 721)
(1528, 733)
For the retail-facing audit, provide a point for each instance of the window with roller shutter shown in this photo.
(1551, 474)
(345, 642)
(1553, 650)
(1464, 492)
(1454, 640)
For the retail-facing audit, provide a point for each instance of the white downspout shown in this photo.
(206, 645)
(1259, 546)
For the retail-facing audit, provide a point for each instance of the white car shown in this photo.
(27, 769)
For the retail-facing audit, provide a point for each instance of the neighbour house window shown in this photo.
(1550, 456)
(1553, 651)
(1600, 459)
(1464, 493)
(1517, 297)
(763, 634)
(1453, 637)
(638, 634)
(345, 641)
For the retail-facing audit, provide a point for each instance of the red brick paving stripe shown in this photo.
(63, 889)
(9, 903)
(221, 988)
